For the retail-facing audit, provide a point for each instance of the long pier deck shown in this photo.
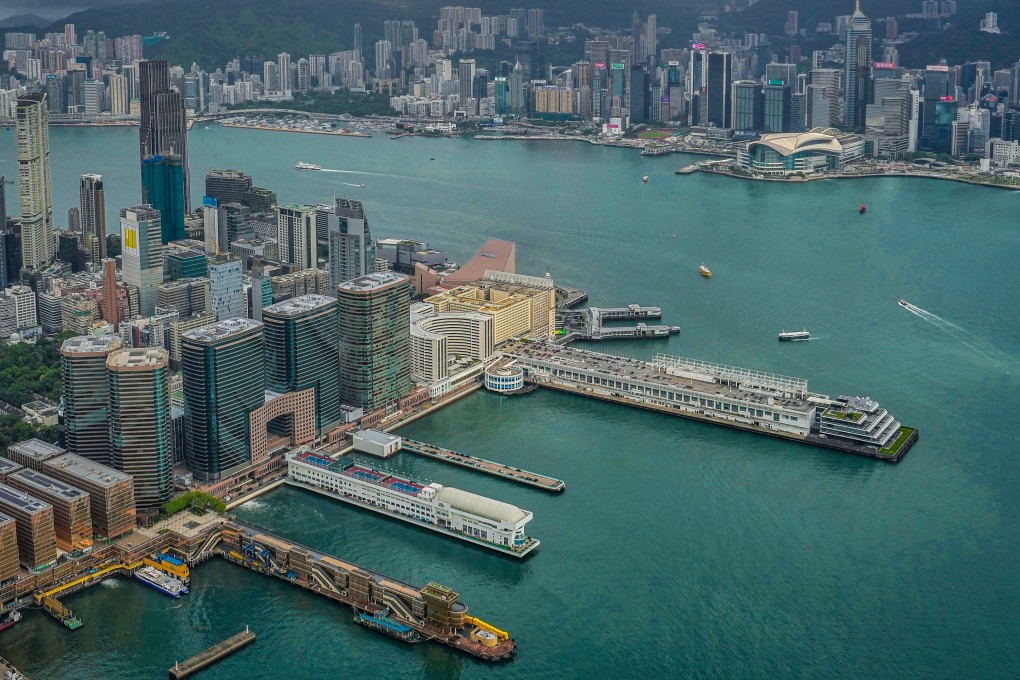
(743, 399)
(210, 656)
(487, 466)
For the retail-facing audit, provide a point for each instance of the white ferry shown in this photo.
(794, 335)
(154, 578)
(301, 165)
(467, 516)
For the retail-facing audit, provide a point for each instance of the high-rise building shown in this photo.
(857, 78)
(283, 66)
(223, 384)
(142, 256)
(351, 250)
(357, 40)
(35, 188)
(466, 74)
(295, 225)
(141, 443)
(111, 314)
(720, 91)
(164, 129)
(3, 202)
(301, 352)
(517, 101)
(791, 27)
(86, 402)
(747, 105)
(375, 339)
(163, 186)
(777, 108)
(226, 289)
(536, 23)
(93, 216)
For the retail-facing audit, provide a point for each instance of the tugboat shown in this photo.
(705, 271)
(11, 619)
(863, 208)
(793, 336)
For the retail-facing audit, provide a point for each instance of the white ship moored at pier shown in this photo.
(467, 516)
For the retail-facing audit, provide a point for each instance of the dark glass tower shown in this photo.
(163, 184)
(86, 402)
(223, 384)
(164, 129)
(301, 352)
(858, 70)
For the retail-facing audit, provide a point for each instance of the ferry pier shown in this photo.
(489, 467)
(219, 651)
(754, 401)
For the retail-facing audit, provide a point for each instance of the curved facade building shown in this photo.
(86, 404)
(504, 378)
(785, 153)
(141, 441)
(458, 335)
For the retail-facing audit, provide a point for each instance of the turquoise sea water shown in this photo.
(679, 549)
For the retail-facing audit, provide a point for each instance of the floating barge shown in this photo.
(469, 517)
(774, 405)
(210, 656)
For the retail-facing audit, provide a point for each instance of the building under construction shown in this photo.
(8, 467)
(72, 521)
(9, 567)
(37, 543)
(112, 493)
(32, 453)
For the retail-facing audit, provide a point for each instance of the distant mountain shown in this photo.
(21, 20)
(210, 32)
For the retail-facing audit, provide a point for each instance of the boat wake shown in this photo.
(978, 345)
(360, 172)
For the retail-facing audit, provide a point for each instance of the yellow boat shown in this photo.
(705, 271)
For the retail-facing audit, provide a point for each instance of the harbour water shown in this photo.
(679, 549)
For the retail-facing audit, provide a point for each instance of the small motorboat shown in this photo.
(705, 271)
(362, 186)
(644, 180)
(863, 208)
(904, 304)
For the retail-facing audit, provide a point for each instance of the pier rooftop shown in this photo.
(740, 384)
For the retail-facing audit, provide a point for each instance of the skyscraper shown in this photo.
(301, 352)
(34, 185)
(226, 289)
(93, 216)
(357, 40)
(858, 70)
(141, 253)
(86, 402)
(375, 339)
(283, 62)
(223, 384)
(351, 251)
(517, 103)
(163, 186)
(141, 442)
(720, 90)
(295, 229)
(164, 129)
